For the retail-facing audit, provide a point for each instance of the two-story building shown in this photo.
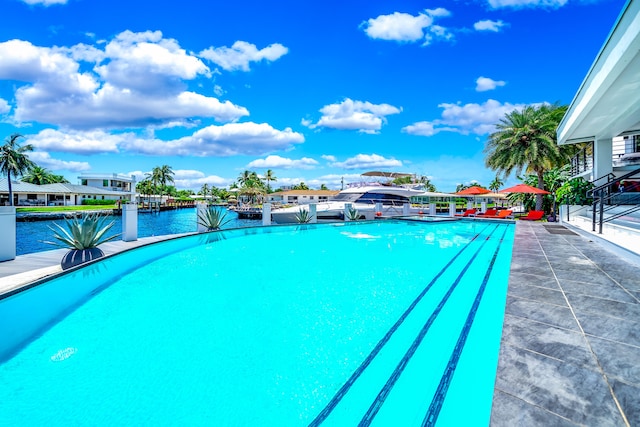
(300, 197)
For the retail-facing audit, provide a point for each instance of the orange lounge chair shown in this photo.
(468, 212)
(533, 216)
(490, 213)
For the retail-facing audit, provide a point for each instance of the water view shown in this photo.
(31, 235)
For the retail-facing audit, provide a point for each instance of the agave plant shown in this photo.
(82, 236)
(352, 214)
(303, 216)
(212, 218)
(83, 233)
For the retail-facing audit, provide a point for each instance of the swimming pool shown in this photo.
(376, 323)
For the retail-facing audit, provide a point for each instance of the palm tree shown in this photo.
(269, 176)
(323, 187)
(205, 190)
(13, 160)
(40, 176)
(162, 175)
(496, 184)
(526, 140)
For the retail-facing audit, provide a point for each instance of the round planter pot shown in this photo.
(80, 256)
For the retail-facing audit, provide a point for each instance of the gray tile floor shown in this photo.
(570, 352)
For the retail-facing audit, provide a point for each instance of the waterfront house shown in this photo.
(300, 197)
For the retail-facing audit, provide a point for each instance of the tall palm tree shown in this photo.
(205, 190)
(496, 184)
(269, 176)
(526, 140)
(162, 175)
(13, 160)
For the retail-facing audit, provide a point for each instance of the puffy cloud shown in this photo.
(193, 179)
(354, 115)
(226, 140)
(404, 27)
(484, 84)
(283, 163)
(44, 2)
(240, 54)
(488, 25)
(368, 161)
(140, 82)
(46, 161)
(4, 106)
(146, 61)
(518, 4)
(329, 158)
(479, 119)
(92, 142)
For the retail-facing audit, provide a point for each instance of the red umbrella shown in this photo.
(524, 188)
(473, 191)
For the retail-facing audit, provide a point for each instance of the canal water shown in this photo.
(32, 235)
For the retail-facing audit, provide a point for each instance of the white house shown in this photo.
(606, 110)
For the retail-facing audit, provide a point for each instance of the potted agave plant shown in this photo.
(353, 214)
(212, 218)
(303, 216)
(82, 236)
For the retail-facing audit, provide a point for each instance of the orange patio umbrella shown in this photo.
(473, 191)
(524, 188)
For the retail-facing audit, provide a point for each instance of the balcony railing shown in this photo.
(583, 161)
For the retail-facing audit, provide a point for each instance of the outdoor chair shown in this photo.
(489, 213)
(468, 212)
(533, 216)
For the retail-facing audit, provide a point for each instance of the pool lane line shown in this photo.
(383, 341)
(437, 401)
(386, 389)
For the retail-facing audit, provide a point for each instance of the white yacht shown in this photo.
(361, 196)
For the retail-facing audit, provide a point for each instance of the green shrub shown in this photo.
(96, 202)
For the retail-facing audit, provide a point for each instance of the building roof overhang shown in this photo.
(607, 103)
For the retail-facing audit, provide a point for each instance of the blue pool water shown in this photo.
(377, 323)
(31, 235)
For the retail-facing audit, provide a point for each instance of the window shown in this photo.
(83, 182)
(105, 182)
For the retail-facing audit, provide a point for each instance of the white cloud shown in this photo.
(226, 140)
(193, 179)
(484, 84)
(92, 142)
(283, 163)
(404, 27)
(479, 119)
(329, 158)
(44, 2)
(238, 56)
(488, 25)
(140, 82)
(4, 106)
(46, 161)
(368, 161)
(355, 115)
(518, 4)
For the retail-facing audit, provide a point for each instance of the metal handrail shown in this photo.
(600, 196)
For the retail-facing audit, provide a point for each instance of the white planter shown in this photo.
(8, 227)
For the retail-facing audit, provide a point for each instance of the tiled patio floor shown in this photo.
(570, 352)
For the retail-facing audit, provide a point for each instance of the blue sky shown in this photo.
(316, 91)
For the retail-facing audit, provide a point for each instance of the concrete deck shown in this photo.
(570, 352)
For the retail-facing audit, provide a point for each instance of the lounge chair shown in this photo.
(533, 216)
(490, 213)
(502, 214)
(468, 212)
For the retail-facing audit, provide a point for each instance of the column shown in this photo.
(406, 209)
(129, 222)
(266, 214)
(201, 209)
(432, 209)
(8, 227)
(313, 213)
(602, 158)
(452, 208)
(347, 208)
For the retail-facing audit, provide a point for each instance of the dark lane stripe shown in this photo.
(386, 389)
(438, 399)
(356, 374)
